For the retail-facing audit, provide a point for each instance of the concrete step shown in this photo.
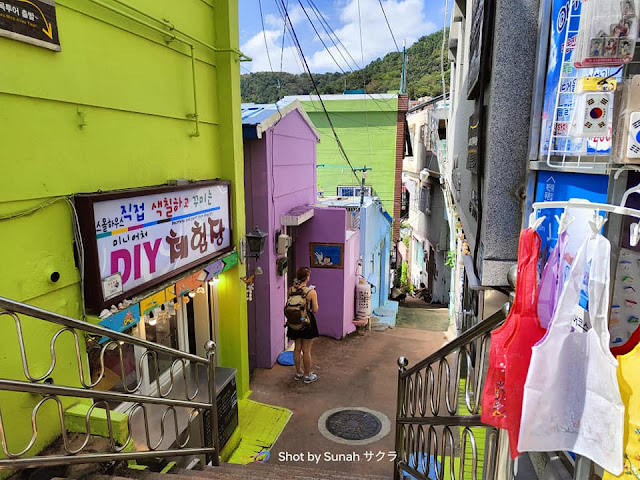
(278, 471)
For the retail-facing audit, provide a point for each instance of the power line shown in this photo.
(264, 34)
(315, 86)
(311, 2)
(388, 25)
(320, 38)
(324, 27)
(327, 28)
(284, 30)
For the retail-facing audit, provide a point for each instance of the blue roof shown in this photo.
(258, 117)
(256, 113)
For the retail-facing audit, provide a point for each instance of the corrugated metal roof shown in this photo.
(256, 113)
(259, 117)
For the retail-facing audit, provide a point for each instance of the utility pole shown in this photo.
(403, 77)
(364, 171)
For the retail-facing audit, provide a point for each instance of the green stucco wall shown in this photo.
(367, 130)
(108, 112)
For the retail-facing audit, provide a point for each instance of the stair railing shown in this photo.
(439, 433)
(201, 414)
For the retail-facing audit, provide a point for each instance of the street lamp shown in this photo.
(255, 243)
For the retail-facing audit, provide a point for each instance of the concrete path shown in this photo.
(359, 371)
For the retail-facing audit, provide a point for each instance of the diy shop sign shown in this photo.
(145, 237)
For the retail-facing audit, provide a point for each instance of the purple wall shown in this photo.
(280, 174)
(335, 287)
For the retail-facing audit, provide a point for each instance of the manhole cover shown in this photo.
(353, 424)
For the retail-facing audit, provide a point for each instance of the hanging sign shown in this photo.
(476, 56)
(30, 21)
(139, 238)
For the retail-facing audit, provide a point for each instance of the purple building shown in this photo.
(280, 189)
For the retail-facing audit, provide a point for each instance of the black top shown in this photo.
(308, 332)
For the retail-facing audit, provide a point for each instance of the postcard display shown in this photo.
(608, 29)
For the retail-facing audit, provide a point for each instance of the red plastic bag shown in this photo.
(526, 334)
(496, 408)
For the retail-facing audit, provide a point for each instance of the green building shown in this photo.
(368, 127)
(101, 96)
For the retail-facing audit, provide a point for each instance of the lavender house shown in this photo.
(280, 188)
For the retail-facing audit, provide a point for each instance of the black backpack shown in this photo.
(295, 310)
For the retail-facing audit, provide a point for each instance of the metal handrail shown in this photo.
(52, 392)
(31, 311)
(424, 436)
(477, 331)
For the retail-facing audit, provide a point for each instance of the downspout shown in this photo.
(168, 24)
(172, 37)
(195, 116)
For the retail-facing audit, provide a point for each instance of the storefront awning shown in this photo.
(297, 216)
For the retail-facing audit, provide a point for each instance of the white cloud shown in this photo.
(255, 48)
(406, 17)
(296, 15)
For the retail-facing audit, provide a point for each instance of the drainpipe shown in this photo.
(195, 93)
(169, 25)
(172, 37)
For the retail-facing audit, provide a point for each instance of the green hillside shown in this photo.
(380, 76)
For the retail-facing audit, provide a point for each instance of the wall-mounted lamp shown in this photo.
(192, 294)
(200, 290)
(255, 243)
(214, 281)
(152, 319)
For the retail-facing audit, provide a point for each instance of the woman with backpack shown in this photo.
(304, 332)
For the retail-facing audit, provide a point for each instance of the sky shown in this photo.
(409, 20)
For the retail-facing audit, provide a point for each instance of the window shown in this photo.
(424, 202)
(353, 191)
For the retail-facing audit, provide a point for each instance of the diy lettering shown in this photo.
(123, 261)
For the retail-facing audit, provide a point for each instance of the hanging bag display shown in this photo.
(494, 399)
(526, 334)
(571, 398)
(552, 281)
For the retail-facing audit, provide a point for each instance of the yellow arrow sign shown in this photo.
(47, 31)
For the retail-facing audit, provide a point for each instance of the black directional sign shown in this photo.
(31, 21)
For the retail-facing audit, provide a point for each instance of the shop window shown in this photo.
(117, 374)
(164, 332)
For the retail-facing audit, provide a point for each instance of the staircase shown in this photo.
(255, 471)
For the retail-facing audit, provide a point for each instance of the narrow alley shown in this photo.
(359, 371)
(320, 240)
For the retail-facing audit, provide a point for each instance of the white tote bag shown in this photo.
(571, 399)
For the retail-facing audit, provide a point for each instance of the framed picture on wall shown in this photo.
(326, 255)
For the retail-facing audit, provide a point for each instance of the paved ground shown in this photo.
(359, 371)
(415, 313)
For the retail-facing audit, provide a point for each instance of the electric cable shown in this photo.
(76, 234)
(388, 25)
(264, 35)
(320, 38)
(326, 30)
(444, 36)
(291, 41)
(315, 86)
(312, 3)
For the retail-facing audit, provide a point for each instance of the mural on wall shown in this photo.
(326, 255)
